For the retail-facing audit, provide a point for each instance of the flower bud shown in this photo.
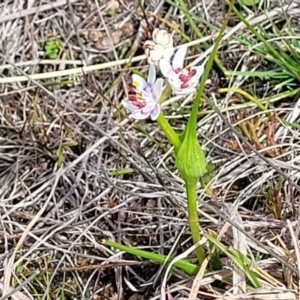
(190, 160)
(162, 37)
(154, 52)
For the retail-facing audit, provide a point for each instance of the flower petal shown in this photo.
(168, 53)
(168, 40)
(147, 110)
(149, 44)
(186, 91)
(151, 75)
(155, 112)
(166, 68)
(157, 53)
(128, 105)
(194, 81)
(175, 86)
(138, 82)
(153, 51)
(177, 90)
(155, 33)
(178, 60)
(199, 72)
(147, 52)
(157, 89)
(147, 95)
(150, 104)
(151, 62)
(162, 37)
(139, 115)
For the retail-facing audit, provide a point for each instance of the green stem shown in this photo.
(169, 132)
(193, 218)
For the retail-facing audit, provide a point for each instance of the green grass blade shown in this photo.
(260, 74)
(280, 60)
(242, 261)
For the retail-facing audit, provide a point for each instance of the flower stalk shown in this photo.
(169, 132)
(193, 219)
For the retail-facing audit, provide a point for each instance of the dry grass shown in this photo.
(61, 140)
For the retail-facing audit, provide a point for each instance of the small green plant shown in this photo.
(146, 95)
(112, 13)
(52, 49)
(258, 256)
(274, 198)
(61, 150)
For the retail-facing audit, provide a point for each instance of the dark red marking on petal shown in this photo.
(192, 72)
(131, 87)
(184, 78)
(132, 97)
(138, 103)
(141, 104)
(150, 47)
(184, 85)
(177, 70)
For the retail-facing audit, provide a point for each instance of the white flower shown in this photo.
(162, 37)
(143, 102)
(160, 47)
(154, 52)
(183, 80)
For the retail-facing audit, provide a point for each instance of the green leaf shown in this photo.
(182, 264)
(215, 257)
(52, 49)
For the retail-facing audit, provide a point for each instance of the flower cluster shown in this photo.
(143, 99)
